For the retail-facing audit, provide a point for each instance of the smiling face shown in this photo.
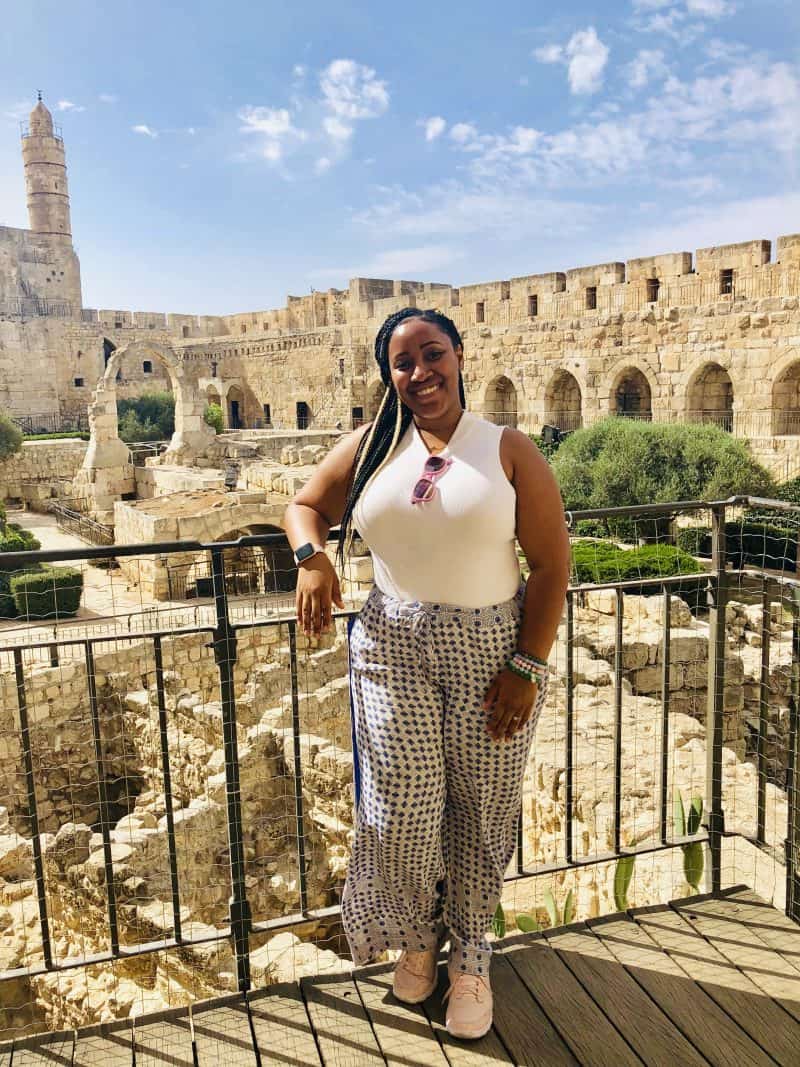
(424, 367)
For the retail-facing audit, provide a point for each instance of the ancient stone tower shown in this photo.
(46, 176)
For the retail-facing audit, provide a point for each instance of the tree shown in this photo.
(213, 416)
(153, 410)
(619, 462)
(10, 437)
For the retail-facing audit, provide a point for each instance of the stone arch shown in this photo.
(500, 401)
(261, 569)
(709, 396)
(563, 401)
(107, 472)
(212, 395)
(786, 398)
(375, 393)
(630, 395)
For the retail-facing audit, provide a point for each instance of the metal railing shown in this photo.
(225, 633)
(81, 525)
(50, 422)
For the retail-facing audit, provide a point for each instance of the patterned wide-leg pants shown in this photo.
(437, 799)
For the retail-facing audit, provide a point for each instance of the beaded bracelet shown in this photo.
(533, 660)
(522, 667)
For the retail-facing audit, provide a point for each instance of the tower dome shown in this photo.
(41, 121)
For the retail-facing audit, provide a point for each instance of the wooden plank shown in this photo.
(41, 1049)
(592, 1038)
(775, 929)
(282, 1027)
(164, 1038)
(641, 1022)
(403, 1031)
(766, 1022)
(481, 1053)
(766, 968)
(711, 1030)
(340, 1023)
(109, 1043)
(523, 1027)
(222, 1033)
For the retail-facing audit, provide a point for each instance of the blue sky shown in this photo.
(222, 155)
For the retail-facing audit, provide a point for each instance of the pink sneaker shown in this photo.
(469, 1006)
(415, 976)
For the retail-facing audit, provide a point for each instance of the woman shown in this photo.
(448, 655)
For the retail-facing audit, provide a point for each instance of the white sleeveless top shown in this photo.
(459, 548)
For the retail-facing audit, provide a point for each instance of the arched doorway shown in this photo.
(786, 401)
(709, 397)
(563, 402)
(250, 570)
(235, 408)
(631, 397)
(500, 402)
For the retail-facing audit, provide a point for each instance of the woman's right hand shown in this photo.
(317, 590)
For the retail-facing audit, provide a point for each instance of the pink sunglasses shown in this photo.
(425, 489)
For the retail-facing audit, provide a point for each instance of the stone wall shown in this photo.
(41, 470)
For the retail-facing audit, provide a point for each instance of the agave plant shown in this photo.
(686, 826)
(622, 880)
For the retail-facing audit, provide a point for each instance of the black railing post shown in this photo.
(714, 819)
(224, 645)
(792, 843)
(297, 769)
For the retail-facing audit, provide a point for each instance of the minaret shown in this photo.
(46, 176)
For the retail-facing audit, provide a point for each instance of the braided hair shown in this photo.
(392, 420)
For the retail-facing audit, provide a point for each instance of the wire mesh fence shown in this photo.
(177, 795)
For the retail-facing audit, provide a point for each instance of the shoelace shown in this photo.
(466, 985)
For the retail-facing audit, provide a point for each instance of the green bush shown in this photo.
(52, 592)
(14, 539)
(619, 462)
(601, 561)
(82, 435)
(150, 417)
(789, 491)
(747, 544)
(213, 416)
(10, 437)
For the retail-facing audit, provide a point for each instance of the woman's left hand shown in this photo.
(509, 701)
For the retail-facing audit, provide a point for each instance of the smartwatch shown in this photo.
(306, 551)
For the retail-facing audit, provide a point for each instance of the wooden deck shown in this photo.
(711, 981)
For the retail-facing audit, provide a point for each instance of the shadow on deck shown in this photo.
(711, 980)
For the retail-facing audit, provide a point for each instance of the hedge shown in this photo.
(601, 561)
(748, 543)
(52, 592)
(72, 435)
(14, 539)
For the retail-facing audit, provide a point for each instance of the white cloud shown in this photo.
(434, 127)
(394, 263)
(275, 128)
(17, 112)
(463, 132)
(647, 65)
(550, 53)
(107, 98)
(323, 164)
(711, 9)
(585, 57)
(298, 70)
(587, 60)
(145, 130)
(336, 129)
(353, 91)
(67, 105)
